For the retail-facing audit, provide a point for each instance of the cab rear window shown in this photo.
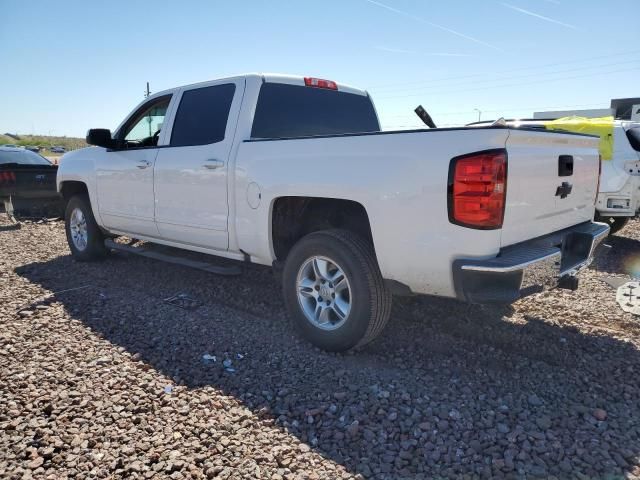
(285, 111)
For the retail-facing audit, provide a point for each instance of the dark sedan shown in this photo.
(28, 184)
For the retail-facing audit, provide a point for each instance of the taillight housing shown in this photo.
(320, 83)
(7, 177)
(477, 189)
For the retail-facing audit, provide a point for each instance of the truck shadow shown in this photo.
(623, 257)
(447, 390)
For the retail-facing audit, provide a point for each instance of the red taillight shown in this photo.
(7, 177)
(320, 83)
(477, 189)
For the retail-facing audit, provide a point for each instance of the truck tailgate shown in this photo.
(551, 183)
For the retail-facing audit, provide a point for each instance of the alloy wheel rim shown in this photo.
(78, 228)
(324, 293)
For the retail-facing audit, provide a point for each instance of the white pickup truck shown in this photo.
(295, 173)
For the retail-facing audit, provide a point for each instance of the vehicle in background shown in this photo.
(619, 190)
(32, 148)
(28, 184)
(294, 173)
(58, 150)
(9, 145)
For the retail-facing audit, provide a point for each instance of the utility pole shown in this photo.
(149, 119)
(479, 113)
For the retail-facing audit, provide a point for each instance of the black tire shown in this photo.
(615, 223)
(94, 249)
(369, 298)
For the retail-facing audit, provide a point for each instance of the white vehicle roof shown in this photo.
(628, 123)
(271, 78)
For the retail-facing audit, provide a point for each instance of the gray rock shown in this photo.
(534, 400)
(503, 428)
(543, 422)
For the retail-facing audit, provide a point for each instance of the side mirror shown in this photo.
(100, 137)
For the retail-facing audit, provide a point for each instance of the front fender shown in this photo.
(79, 166)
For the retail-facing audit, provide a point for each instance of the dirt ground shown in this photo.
(101, 378)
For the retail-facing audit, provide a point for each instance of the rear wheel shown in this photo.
(84, 237)
(334, 291)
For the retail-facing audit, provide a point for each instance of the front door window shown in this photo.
(143, 130)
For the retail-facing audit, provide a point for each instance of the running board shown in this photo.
(185, 262)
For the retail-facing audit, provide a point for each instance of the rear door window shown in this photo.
(202, 115)
(297, 111)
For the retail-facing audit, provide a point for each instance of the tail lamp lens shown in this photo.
(7, 177)
(477, 189)
(320, 83)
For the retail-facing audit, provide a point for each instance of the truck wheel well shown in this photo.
(294, 217)
(71, 188)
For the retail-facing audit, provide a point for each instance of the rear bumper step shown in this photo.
(550, 261)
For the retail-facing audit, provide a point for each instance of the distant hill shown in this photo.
(44, 141)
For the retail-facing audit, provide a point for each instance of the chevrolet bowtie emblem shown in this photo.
(564, 190)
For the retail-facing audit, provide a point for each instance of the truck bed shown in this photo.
(406, 171)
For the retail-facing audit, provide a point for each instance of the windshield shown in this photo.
(633, 134)
(22, 157)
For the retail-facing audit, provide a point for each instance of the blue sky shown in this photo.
(71, 65)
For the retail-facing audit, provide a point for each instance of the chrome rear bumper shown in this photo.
(529, 267)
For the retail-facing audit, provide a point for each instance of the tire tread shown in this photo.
(381, 297)
(95, 248)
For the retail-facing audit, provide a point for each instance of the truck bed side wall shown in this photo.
(399, 178)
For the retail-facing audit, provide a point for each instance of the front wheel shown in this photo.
(334, 291)
(84, 237)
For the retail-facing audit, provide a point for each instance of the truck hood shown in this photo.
(78, 154)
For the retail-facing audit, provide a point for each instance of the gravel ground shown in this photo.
(108, 381)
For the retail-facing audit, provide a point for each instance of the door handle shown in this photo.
(565, 165)
(143, 164)
(212, 164)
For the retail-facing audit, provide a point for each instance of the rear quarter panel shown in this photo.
(401, 180)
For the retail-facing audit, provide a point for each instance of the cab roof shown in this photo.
(268, 78)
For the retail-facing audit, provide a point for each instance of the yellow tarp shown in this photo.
(603, 127)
